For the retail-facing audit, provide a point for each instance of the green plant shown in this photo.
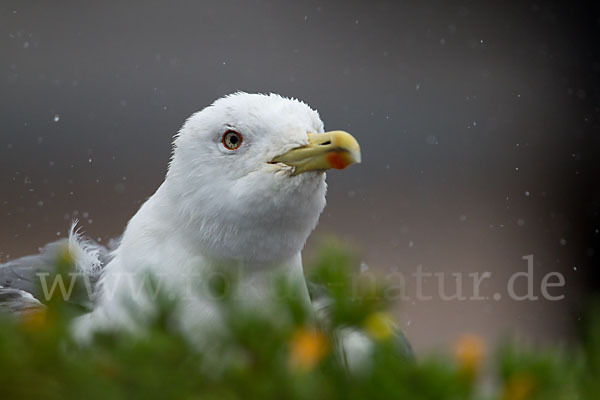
(281, 354)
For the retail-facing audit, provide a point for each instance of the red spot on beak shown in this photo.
(337, 160)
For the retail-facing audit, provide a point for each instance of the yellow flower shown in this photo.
(379, 325)
(469, 352)
(518, 387)
(307, 348)
(35, 320)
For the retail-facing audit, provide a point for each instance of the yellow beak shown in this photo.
(335, 149)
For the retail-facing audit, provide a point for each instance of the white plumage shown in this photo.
(249, 210)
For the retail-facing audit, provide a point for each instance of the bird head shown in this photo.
(248, 175)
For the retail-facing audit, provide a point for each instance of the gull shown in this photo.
(245, 187)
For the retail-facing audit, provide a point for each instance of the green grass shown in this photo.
(281, 355)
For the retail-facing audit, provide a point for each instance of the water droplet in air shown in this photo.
(364, 267)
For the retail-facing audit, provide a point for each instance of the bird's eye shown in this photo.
(232, 140)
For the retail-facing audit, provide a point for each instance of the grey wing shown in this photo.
(16, 301)
(20, 273)
(19, 282)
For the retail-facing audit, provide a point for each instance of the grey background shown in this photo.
(478, 123)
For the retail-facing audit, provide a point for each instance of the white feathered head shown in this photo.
(247, 174)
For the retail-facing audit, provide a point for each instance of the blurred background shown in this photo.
(478, 122)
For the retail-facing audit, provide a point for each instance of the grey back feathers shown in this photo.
(19, 279)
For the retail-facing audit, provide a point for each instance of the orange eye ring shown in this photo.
(232, 140)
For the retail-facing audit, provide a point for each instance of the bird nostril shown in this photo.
(326, 143)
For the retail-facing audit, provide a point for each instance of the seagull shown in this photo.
(245, 187)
